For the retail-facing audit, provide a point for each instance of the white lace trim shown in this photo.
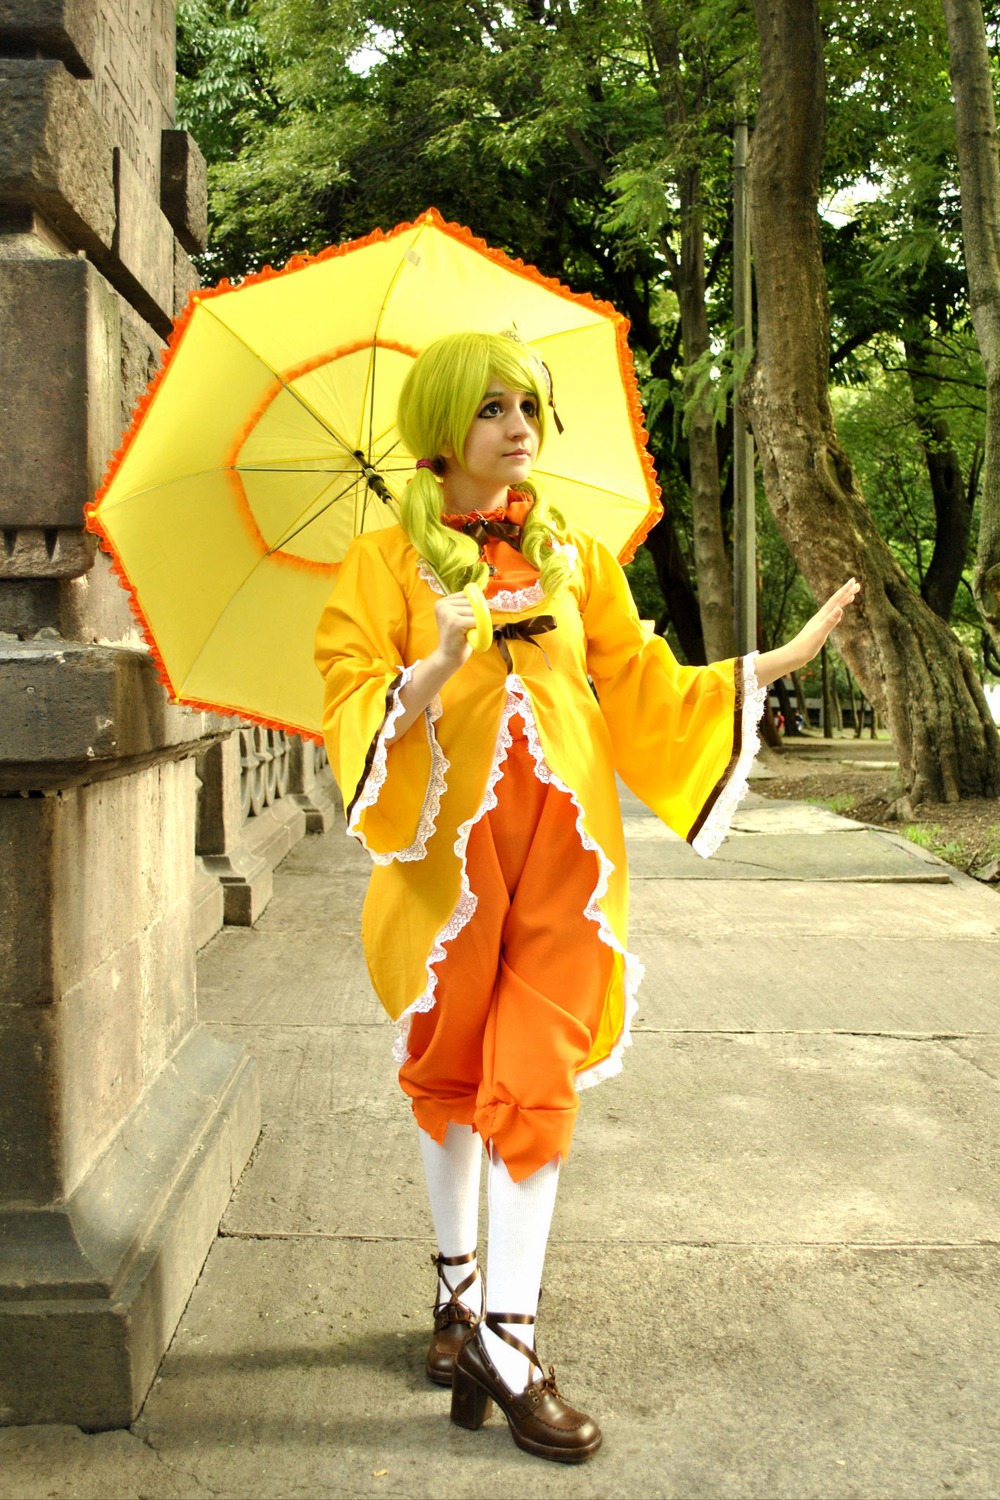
(509, 601)
(506, 602)
(716, 825)
(436, 782)
(518, 702)
(429, 577)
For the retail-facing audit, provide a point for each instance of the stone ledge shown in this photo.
(73, 713)
(91, 1290)
(66, 29)
(55, 152)
(46, 552)
(184, 189)
(322, 805)
(60, 404)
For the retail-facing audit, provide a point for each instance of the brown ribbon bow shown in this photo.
(524, 630)
(502, 531)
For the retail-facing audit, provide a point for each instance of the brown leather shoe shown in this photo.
(453, 1321)
(540, 1421)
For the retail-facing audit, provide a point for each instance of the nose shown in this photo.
(518, 425)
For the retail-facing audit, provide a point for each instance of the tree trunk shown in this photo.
(979, 176)
(905, 658)
(952, 503)
(687, 275)
(780, 691)
(770, 733)
(715, 581)
(801, 700)
(675, 586)
(830, 713)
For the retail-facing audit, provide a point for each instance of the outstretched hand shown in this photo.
(810, 639)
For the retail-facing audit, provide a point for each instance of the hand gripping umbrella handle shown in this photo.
(480, 637)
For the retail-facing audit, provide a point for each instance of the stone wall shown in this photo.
(124, 830)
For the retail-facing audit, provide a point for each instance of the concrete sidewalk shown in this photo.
(776, 1253)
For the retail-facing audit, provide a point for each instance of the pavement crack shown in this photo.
(177, 1470)
(892, 1036)
(973, 1062)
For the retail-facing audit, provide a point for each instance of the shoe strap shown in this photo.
(440, 1261)
(493, 1321)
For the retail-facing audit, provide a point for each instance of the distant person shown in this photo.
(483, 785)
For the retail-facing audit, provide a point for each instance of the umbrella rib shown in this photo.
(290, 536)
(301, 466)
(371, 405)
(296, 395)
(378, 328)
(235, 594)
(599, 489)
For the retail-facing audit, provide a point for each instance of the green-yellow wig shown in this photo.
(438, 403)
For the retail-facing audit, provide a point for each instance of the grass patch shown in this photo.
(840, 802)
(929, 836)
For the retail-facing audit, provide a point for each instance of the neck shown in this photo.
(462, 497)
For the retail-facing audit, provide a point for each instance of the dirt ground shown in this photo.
(853, 778)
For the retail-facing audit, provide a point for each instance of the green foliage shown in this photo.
(641, 575)
(562, 131)
(929, 836)
(840, 803)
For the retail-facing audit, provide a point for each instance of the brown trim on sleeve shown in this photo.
(370, 757)
(724, 779)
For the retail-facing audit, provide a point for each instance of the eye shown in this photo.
(530, 407)
(490, 409)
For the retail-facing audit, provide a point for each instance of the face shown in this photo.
(502, 443)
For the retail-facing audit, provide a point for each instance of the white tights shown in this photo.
(520, 1218)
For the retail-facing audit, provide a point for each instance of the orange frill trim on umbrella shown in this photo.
(299, 263)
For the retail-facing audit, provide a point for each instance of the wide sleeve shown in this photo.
(683, 738)
(391, 788)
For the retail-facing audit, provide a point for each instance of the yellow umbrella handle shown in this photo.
(480, 637)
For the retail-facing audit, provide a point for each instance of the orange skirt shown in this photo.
(520, 994)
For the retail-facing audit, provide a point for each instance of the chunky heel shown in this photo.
(470, 1404)
(540, 1421)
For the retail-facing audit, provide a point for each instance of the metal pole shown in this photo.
(744, 509)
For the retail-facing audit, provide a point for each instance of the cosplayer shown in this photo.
(483, 786)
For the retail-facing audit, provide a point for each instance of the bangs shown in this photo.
(490, 357)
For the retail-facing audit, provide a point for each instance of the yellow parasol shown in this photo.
(267, 441)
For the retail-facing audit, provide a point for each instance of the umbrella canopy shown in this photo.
(267, 441)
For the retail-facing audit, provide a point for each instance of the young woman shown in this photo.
(483, 786)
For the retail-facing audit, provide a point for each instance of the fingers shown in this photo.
(455, 618)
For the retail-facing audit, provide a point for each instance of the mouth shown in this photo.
(518, 453)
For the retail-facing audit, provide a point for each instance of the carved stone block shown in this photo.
(144, 239)
(186, 278)
(55, 152)
(140, 359)
(184, 189)
(50, 552)
(28, 605)
(71, 714)
(59, 404)
(311, 785)
(92, 1287)
(67, 29)
(97, 981)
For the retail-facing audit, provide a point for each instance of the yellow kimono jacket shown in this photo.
(682, 738)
